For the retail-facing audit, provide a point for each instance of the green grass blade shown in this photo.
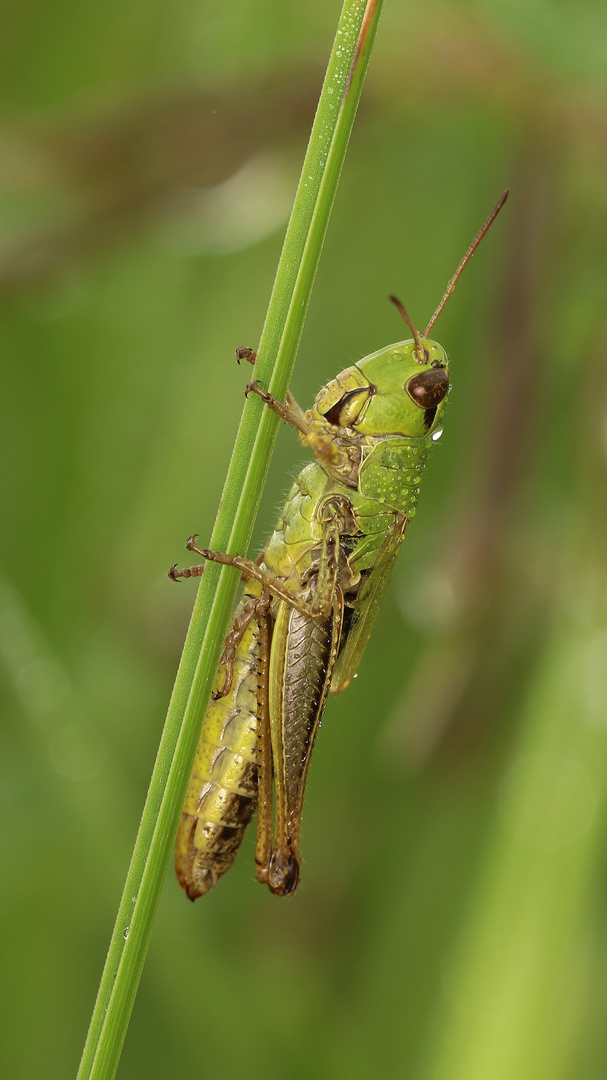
(282, 330)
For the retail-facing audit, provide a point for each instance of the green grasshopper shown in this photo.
(310, 601)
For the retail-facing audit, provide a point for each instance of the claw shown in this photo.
(246, 354)
(173, 573)
(190, 541)
(255, 388)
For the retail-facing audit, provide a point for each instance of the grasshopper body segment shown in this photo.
(310, 601)
(322, 574)
(222, 792)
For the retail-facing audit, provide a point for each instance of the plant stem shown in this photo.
(242, 492)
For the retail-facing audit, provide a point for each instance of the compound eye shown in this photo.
(428, 388)
(347, 410)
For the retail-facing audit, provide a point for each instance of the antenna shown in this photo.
(466, 259)
(419, 348)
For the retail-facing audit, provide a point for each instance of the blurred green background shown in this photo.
(451, 924)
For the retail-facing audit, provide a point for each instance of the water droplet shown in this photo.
(126, 932)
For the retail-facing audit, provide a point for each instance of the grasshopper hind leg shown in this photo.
(247, 611)
(265, 802)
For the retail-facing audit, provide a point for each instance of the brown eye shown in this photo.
(428, 388)
(347, 410)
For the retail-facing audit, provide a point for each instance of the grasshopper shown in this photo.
(310, 601)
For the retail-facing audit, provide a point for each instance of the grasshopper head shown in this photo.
(400, 390)
(406, 395)
(390, 392)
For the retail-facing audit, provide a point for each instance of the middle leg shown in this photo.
(318, 608)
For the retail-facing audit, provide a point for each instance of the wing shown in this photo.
(301, 662)
(368, 600)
